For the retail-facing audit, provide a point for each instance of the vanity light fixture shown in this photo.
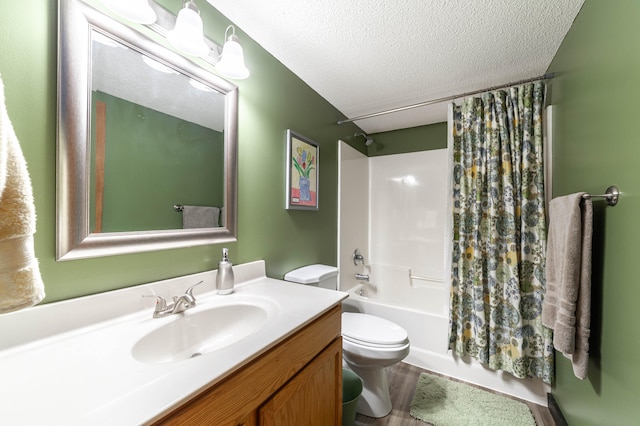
(134, 10)
(231, 62)
(188, 36)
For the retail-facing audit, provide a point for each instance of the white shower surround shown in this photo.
(393, 208)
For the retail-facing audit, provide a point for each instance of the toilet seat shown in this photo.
(372, 331)
(374, 345)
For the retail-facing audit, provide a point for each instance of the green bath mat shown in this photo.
(444, 402)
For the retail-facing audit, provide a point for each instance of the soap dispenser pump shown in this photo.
(224, 277)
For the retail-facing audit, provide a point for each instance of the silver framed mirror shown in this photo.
(121, 202)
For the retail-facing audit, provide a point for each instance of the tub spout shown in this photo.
(362, 277)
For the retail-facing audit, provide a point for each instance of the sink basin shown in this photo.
(193, 334)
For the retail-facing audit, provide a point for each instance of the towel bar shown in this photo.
(178, 207)
(611, 195)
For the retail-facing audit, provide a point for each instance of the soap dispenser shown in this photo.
(224, 277)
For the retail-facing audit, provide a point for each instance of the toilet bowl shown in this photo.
(369, 343)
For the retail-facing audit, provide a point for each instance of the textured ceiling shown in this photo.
(364, 56)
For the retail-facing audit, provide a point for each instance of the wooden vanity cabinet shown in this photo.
(297, 382)
(311, 397)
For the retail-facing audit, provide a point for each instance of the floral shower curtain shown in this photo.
(499, 233)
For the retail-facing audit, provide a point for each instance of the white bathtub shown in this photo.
(419, 306)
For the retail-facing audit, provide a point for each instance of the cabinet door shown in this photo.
(313, 397)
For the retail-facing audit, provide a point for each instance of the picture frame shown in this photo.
(302, 172)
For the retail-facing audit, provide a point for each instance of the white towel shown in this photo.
(567, 303)
(20, 282)
(200, 217)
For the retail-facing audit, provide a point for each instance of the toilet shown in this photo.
(369, 343)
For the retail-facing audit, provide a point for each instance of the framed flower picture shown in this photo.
(302, 172)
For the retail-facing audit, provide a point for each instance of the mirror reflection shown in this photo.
(157, 142)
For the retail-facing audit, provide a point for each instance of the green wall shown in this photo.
(413, 139)
(271, 100)
(595, 142)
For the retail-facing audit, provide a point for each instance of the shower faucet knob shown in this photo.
(357, 257)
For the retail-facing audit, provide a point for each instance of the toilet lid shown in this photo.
(372, 329)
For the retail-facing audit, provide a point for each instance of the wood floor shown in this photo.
(402, 383)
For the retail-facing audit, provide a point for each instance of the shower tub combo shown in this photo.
(420, 306)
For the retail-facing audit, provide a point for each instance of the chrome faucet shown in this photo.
(180, 304)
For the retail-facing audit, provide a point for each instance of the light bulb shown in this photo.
(232, 60)
(187, 36)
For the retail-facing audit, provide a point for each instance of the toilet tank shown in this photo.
(323, 276)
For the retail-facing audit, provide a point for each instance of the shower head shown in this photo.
(367, 139)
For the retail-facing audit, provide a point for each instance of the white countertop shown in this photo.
(70, 362)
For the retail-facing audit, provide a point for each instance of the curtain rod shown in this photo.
(447, 98)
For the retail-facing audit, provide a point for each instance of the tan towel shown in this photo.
(20, 282)
(567, 304)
